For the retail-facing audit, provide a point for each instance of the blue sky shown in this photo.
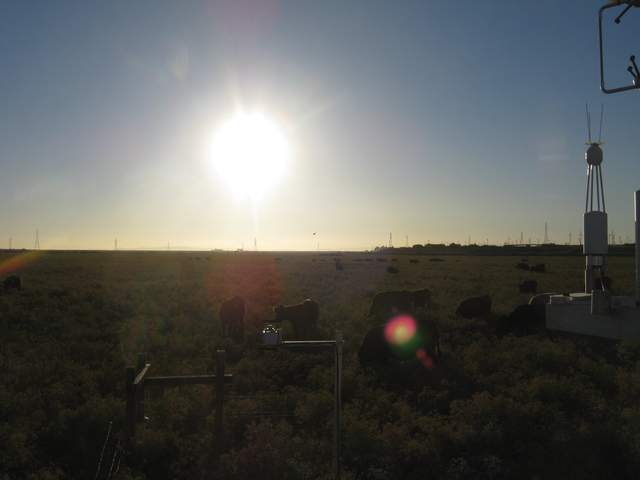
(432, 119)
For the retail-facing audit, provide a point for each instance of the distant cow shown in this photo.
(475, 307)
(377, 351)
(232, 318)
(391, 269)
(529, 286)
(385, 304)
(302, 316)
(522, 266)
(540, 267)
(12, 282)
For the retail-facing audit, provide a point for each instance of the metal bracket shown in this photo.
(633, 68)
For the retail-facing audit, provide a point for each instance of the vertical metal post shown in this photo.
(142, 361)
(338, 405)
(218, 433)
(131, 406)
(637, 214)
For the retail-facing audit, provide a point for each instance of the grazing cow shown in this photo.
(376, 350)
(392, 269)
(474, 307)
(436, 260)
(522, 266)
(385, 304)
(232, 318)
(529, 286)
(540, 267)
(12, 282)
(524, 320)
(303, 317)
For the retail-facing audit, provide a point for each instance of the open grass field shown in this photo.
(538, 406)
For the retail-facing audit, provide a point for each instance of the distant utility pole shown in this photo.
(407, 241)
(580, 238)
(546, 233)
(255, 244)
(115, 244)
(390, 240)
(37, 244)
(10, 243)
(569, 238)
(521, 238)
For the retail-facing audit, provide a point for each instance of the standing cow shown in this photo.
(232, 314)
(302, 316)
(378, 350)
(475, 307)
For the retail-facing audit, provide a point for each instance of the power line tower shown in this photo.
(37, 244)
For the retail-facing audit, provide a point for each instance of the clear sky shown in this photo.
(432, 119)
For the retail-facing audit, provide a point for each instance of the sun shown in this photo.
(250, 153)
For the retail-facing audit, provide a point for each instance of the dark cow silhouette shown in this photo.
(529, 286)
(232, 314)
(524, 320)
(12, 282)
(375, 350)
(302, 316)
(522, 266)
(385, 304)
(540, 267)
(392, 270)
(474, 307)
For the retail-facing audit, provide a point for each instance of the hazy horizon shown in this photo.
(432, 120)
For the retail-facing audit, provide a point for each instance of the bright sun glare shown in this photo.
(250, 153)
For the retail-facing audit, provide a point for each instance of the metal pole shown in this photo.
(219, 404)
(338, 406)
(637, 214)
(131, 407)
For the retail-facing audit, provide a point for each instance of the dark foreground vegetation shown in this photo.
(495, 406)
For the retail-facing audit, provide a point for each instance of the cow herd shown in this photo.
(402, 323)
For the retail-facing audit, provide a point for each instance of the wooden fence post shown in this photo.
(218, 434)
(131, 406)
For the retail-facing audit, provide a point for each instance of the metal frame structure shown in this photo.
(336, 346)
(633, 67)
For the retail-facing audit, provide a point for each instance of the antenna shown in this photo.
(588, 123)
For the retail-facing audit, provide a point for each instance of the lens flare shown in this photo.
(17, 262)
(400, 330)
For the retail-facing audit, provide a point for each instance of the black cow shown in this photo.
(524, 320)
(12, 282)
(302, 316)
(474, 307)
(376, 350)
(540, 267)
(522, 266)
(385, 304)
(529, 286)
(232, 314)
